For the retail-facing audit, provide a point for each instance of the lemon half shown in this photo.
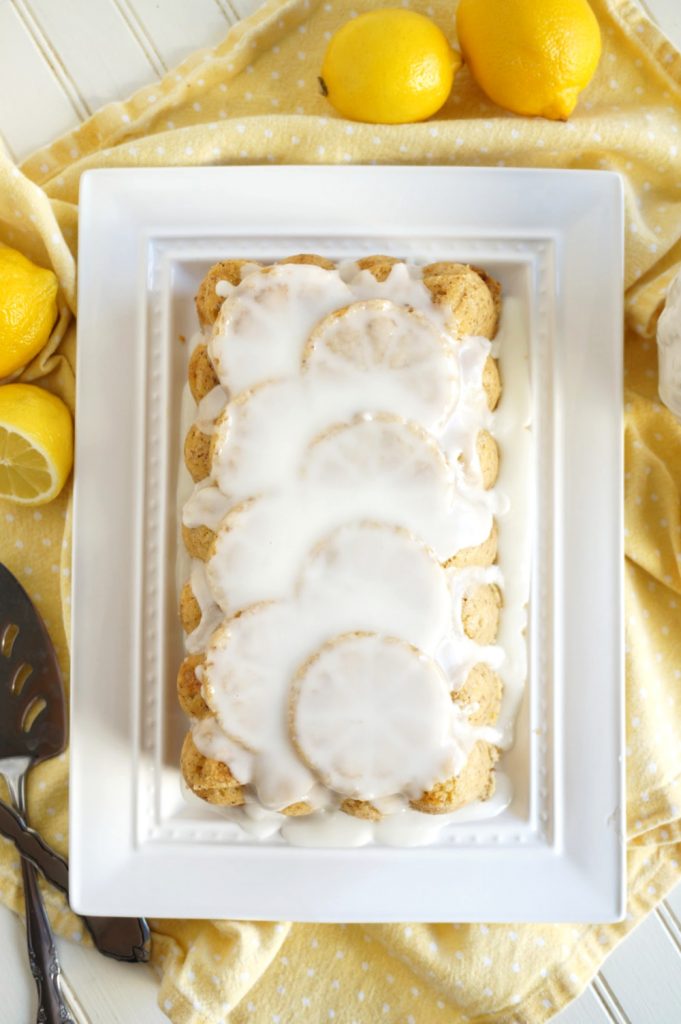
(36, 444)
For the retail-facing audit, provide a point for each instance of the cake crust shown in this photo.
(189, 688)
(209, 779)
(208, 302)
(202, 375)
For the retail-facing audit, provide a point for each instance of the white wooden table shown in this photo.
(59, 61)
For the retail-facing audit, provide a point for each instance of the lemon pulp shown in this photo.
(36, 444)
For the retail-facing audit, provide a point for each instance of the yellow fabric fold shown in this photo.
(255, 99)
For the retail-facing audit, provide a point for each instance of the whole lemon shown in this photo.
(28, 309)
(533, 57)
(389, 66)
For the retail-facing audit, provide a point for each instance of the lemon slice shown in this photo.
(390, 347)
(263, 325)
(36, 444)
(370, 716)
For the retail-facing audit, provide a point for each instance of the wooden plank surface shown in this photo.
(40, 108)
(177, 29)
(76, 30)
(109, 992)
(645, 974)
(588, 1009)
(667, 14)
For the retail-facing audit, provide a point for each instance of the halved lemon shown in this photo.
(36, 444)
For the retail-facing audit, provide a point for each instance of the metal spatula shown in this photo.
(121, 938)
(32, 729)
(29, 676)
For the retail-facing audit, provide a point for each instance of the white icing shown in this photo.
(471, 414)
(263, 325)
(206, 506)
(210, 407)
(399, 572)
(211, 614)
(403, 285)
(381, 339)
(511, 428)
(211, 741)
(380, 469)
(223, 289)
(401, 825)
(351, 365)
(328, 827)
(252, 660)
(373, 717)
(366, 469)
(669, 349)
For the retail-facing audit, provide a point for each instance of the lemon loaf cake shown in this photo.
(343, 601)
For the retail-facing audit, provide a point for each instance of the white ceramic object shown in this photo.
(669, 349)
(554, 238)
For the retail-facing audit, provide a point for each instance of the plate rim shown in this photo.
(129, 887)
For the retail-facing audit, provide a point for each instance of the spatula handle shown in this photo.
(123, 938)
(42, 954)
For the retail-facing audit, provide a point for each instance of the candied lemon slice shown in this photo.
(381, 578)
(264, 324)
(389, 345)
(252, 659)
(370, 715)
(371, 355)
(377, 469)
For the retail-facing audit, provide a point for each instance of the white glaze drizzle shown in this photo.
(374, 357)
(374, 718)
(264, 324)
(376, 468)
(255, 655)
(211, 614)
(206, 506)
(210, 407)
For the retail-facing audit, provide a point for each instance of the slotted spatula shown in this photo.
(33, 729)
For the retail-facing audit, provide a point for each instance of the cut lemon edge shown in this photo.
(36, 444)
(28, 475)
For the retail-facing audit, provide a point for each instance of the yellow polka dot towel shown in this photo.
(255, 99)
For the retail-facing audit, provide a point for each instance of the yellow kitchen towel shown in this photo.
(255, 99)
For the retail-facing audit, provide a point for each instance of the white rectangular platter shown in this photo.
(554, 239)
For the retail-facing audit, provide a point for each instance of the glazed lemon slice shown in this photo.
(374, 468)
(370, 355)
(263, 325)
(403, 357)
(36, 444)
(370, 716)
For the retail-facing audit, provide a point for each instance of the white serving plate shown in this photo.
(146, 238)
